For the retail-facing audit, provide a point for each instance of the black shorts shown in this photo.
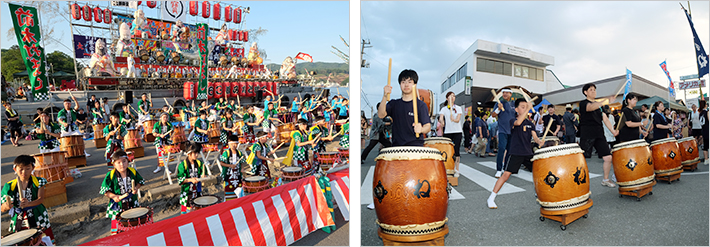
(696, 132)
(598, 143)
(15, 131)
(456, 139)
(515, 161)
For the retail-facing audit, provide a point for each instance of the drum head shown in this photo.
(409, 153)
(630, 144)
(434, 140)
(558, 150)
(134, 213)
(292, 169)
(206, 200)
(661, 141)
(19, 237)
(686, 139)
(329, 153)
(255, 178)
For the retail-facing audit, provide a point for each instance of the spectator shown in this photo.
(571, 124)
(467, 133)
(493, 131)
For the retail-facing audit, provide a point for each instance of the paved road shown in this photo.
(676, 214)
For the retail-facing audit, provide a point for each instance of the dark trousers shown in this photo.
(385, 142)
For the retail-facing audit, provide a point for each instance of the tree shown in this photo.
(62, 62)
(12, 62)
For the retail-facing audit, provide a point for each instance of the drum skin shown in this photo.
(561, 177)
(688, 150)
(666, 156)
(632, 162)
(27, 237)
(73, 145)
(137, 220)
(446, 147)
(132, 139)
(204, 201)
(410, 190)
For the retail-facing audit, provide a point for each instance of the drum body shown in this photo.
(148, 126)
(51, 166)
(410, 190)
(132, 139)
(292, 173)
(284, 137)
(446, 147)
(214, 130)
(207, 147)
(99, 130)
(204, 201)
(73, 145)
(174, 148)
(192, 121)
(689, 150)
(666, 156)
(255, 184)
(328, 157)
(561, 177)
(344, 153)
(632, 162)
(134, 217)
(178, 135)
(427, 96)
(27, 237)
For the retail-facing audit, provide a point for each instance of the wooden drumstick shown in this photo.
(22, 192)
(621, 119)
(389, 77)
(496, 99)
(548, 128)
(414, 108)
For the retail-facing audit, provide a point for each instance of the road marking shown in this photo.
(693, 173)
(522, 174)
(366, 189)
(486, 181)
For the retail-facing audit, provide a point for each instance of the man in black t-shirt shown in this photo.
(592, 122)
(520, 147)
(14, 124)
(404, 129)
(81, 119)
(555, 127)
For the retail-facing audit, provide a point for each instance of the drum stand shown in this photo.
(100, 143)
(432, 239)
(691, 166)
(669, 177)
(566, 216)
(167, 163)
(638, 192)
(205, 159)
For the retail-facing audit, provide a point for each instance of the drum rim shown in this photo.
(548, 152)
(438, 139)
(216, 199)
(43, 154)
(14, 238)
(690, 138)
(662, 141)
(547, 138)
(251, 180)
(292, 169)
(629, 144)
(397, 153)
(145, 210)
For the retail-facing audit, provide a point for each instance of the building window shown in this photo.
(453, 78)
(493, 66)
(529, 72)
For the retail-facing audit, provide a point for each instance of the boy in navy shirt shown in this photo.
(404, 129)
(520, 146)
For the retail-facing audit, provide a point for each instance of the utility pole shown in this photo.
(365, 44)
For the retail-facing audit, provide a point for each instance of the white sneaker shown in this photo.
(158, 169)
(499, 173)
(456, 174)
(707, 161)
(608, 183)
(87, 154)
(371, 206)
(492, 204)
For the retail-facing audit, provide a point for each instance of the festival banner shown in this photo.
(671, 88)
(174, 10)
(627, 88)
(702, 57)
(26, 24)
(340, 186)
(202, 33)
(84, 45)
(278, 216)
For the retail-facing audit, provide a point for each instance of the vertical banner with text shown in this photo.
(26, 24)
(202, 32)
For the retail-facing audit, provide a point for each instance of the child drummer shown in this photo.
(114, 133)
(345, 131)
(229, 127)
(520, 146)
(232, 161)
(259, 156)
(188, 173)
(162, 131)
(250, 121)
(298, 149)
(121, 187)
(48, 133)
(319, 130)
(98, 113)
(200, 129)
(270, 115)
(26, 208)
(127, 118)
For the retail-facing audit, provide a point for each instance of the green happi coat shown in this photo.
(314, 131)
(224, 135)
(122, 132)
(99, 115)
(202, 124)
(345, 141)
(46, 141)
(232, 176)
(185, 171)
(114, 183)
(124, 115)
(38, 213)
(248, 118)
(68, 117)
(267, 114)
(145, 105)
(158, 128)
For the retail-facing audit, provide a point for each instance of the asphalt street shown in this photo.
(676, 213)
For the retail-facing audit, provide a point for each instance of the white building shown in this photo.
(491, 65)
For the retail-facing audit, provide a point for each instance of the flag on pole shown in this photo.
(628, 83)
(304, 57)
(671, 88)
(202, 34)
(26, 24)
(700, 54)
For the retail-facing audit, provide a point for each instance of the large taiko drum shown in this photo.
(255, 184)
(549, 141)
(99, 130)
(27, 237)
(410, 191)
(214, 130)
(561, 177)
(132, 139)
(666, 157)
(133, 218)
(689, 151)
(73, 145)
(178, 135)
(51, 166)
(446, 147)
(292, 173)
(427, 96)
(633, 166)
(148, 126)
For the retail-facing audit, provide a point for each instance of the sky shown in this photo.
(589, 41)
(308, 26)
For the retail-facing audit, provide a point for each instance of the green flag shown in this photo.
(28, 36)
(202, 33)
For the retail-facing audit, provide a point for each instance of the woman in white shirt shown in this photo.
(695, 122)
(450, 115)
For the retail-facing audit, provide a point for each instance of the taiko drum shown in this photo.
(633, 165)
(148, 126)
(214, 130)
(689, 151)
(132, 139)
(410, 190)
(178, 135)
(99, 130)
(446, 147)
(666, 157)
(561, 177)
(51, 166)
(73, 145)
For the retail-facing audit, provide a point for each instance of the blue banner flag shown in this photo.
(671, 88)
(701, 56)
(627, 84)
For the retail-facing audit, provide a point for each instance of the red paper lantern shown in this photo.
(237, 15)
(193, 8)
(230, 35)
(205, 9)
(87, 13)
(240, 52)
(227, 87)
(235, 89)
(228, 13)
(246, 36)
(98, 14)
(217, 11)
(210, 90)
(218, 92)
(274, 87)
(240, 35)
(151, 4)
(76, 11)
(108, 15)
(188, 90)
(251, 88)
(243, 89)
